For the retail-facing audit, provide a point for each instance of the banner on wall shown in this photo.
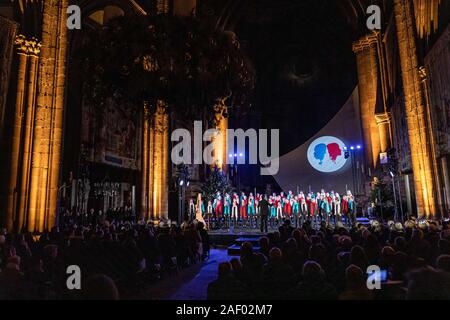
(112, 137)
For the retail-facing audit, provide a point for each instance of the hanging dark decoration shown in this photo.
(180, 60)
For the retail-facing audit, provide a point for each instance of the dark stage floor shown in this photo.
(234, 237)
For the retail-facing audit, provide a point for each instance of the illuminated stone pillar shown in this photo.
(427, 16)
(220, 123)
(46, 149)
(368, 76)
(384, 129)
(446, 182)
(432, 143)
(184, 7)
(408, 193)
(22, 51)
(155, 172)
(159, 154)
(418, 127)
(145, 162)
(33, 59)
(150, 169)
(162, 6)
(8, 32)
(58, 118)
(164, 204)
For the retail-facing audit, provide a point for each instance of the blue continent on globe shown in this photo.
(319, 152)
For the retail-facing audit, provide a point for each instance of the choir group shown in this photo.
(243, 210)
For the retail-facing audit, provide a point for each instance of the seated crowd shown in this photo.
(117, 257)
(311, 264)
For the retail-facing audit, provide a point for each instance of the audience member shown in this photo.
(227, 286)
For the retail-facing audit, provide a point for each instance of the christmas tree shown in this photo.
(216, 182)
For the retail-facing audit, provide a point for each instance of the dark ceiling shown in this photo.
(302, 53)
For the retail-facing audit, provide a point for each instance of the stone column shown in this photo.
(418, 127)
(184, 8)
(164, 206)
(159, 162)
(408, 194)
(423, 74)
(145, 162)
(33, 59)
(368, 77)
(162, 6)
(48, 119)
(156, 170)
(384, 128)
(220, 123)
(151, 170)
(22, 51)
(8, 32)
(58, 117)
(446, 182)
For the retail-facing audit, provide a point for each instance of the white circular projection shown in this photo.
(326, 154)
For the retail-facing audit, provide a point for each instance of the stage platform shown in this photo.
(233, 238)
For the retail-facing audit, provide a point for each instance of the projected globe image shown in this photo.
(326, 154)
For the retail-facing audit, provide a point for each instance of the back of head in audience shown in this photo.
(275, 254)
(246, 249)
(224, 269)
(428, 284)
(443, 262)
(312, 271)
(100, 287)
(236, 264)
(354, 277)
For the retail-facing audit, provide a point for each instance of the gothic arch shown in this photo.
(354, 12)
(128, 6)
(88, 8)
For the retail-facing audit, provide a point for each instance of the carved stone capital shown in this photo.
(383, 118)
(149, 63)
(146, 110)
(160, 118)
(423, 74)
(366, 42)
(220, 110)
(26, 46)
(161, 107)
(162, 6)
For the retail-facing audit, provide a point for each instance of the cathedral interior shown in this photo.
(117, 179)
(86, 113)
